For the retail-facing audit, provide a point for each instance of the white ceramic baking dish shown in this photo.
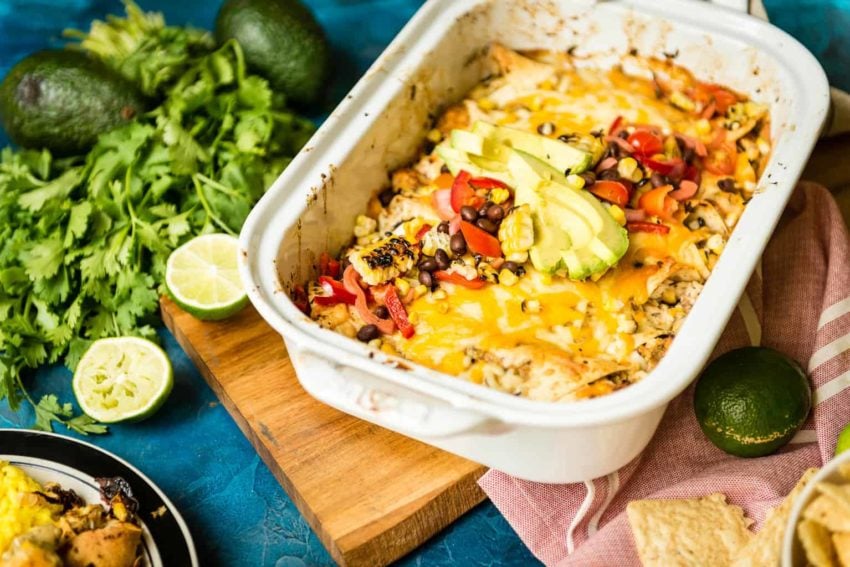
(379, 126)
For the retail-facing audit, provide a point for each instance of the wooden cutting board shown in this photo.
(370, 494)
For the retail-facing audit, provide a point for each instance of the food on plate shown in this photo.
(751, 401)
(63, 100)
(556, 229)
(694, 532)
(51, 527)
(202, 277)
(843, 442)
(708, 531)
(824, 526)
(282, 41)
(122, 379)
(84, 240)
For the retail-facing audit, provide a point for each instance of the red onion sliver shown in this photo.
(606, 163)
(351, 281)
(627, 147)
(454, 225)
(686, 190)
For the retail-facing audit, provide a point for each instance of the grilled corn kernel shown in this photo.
(507, 278)
(618, 214)
(439, 294)
(668, 296)
(435, 136)
(516, 233)
(703, 127)
(419, 291)
(402, 286)
(576, 181)
(487, 272)
(435, 240)
(628, 168)
(486, 104)
(518, 257)
(681, 100)
(375, 343)
(531, 306)
(364, 226)
(499, 195)
(384, 260)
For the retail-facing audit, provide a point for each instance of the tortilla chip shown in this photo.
(695, 532)
(766, 547)
(840, 494)
(841, 542)
(825, 511)
(844, 470)
(817, 544)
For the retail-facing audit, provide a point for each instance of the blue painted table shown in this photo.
(238, 513)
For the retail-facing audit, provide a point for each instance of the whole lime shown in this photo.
(751, 401)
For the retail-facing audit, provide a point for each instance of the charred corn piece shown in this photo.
(516, 233)
(384, 260)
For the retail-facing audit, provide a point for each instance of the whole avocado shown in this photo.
(62, 100)
(282, 41)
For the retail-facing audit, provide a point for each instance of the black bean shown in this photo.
(726, 184)
(589, 178)
(609, 174)
(487, 225)
(443, 227)
(426, 279)
(658, 180)
(469, 214)
(428, 264)
(482, 212)
(368, 333)
(495, 213)
(381, 312)
(442, 259)
(386, 196)
(458, 244)
(510, 266)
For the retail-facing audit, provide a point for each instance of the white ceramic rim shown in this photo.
(284, 203)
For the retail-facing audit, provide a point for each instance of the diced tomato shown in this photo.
(722, 159)
(444, 181)
(686, 190)
(299, 299)
(615, 126)
(441, 200)
(458, 279)
(463, 194)
(611, 191)
(480, 241)
(328, 266)
(421, 233)
(723, 98)
(487, 183)
(662, 166)
(656, 202)
(335, 292)
(398, 313)
(645, 143)
(640, 226)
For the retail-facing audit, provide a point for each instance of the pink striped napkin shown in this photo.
(798, 303)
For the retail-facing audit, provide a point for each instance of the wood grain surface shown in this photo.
(370, 494)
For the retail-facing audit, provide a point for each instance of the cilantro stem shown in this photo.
(223, 188)
(210, 213)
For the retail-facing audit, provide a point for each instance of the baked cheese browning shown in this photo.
(557, 229)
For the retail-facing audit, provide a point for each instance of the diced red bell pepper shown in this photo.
(420, 234)
(615, 126)
(458, 279)
(328, 266)
(480, 241)
(611, 191)
(463, 194)
(398, 313)
(487, 183)
(645, 143)
(641, 226)
(335, 292)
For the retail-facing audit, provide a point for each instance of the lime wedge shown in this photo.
(122, 379)
(843, 443)
(202, 277)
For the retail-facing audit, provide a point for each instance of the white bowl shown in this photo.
(792, 551)
(380, 125)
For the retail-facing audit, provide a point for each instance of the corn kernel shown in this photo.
(626, 167)
(375, 343)
(443, 307)
(518, 257)
(486, 104)
(388, 348)
(439, 294)
(499, 195)
(532, 306)
(419, 291)
(668, 296)
(618, 214)
(435, 136)
(680, 100)
(507, 278)
(703, 127)
(402, 286)
(577, 181)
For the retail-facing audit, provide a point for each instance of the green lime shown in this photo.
(843, 440)
(751, 401)
(122, 379)
(202, 277)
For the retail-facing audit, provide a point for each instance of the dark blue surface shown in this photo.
(238, 513)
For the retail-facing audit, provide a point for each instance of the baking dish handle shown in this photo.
(388, 404)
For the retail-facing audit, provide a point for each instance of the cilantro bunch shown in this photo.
(84, 240)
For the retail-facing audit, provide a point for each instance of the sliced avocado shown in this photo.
(581, 263)
(475, 144)
(550, 239)
(476, 166)
(560, 155)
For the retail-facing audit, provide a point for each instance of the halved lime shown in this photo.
(202, 277)
(843, 443)
(122, 379)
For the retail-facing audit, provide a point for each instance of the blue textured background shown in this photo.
(238, 513)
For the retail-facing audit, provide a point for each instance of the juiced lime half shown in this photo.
(202, 277)
(122, 379)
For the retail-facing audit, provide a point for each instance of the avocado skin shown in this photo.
(282, 42)
(63, 100)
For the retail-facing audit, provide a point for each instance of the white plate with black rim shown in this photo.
(75, 465)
